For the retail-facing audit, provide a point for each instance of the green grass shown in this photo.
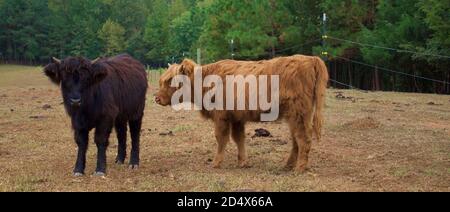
(181, 128)
(13, 75)
(154, 74)
(400, 172)
(21, 76)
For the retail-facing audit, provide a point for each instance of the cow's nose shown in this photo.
(75, 100)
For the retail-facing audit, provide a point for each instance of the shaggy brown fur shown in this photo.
(303, 81)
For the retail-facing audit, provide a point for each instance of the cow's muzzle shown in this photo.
(75, 101)
(158, 100)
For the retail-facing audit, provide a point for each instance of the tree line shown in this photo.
(363, 37)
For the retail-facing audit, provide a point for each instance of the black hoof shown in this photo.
(78, 174)
(133, 167)
(99, 174)
(120, 161)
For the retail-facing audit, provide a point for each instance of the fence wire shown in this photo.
(388, 48)
(390, 70)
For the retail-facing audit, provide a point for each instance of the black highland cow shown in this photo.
(102, 94)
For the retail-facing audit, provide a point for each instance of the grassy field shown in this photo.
(372, 142)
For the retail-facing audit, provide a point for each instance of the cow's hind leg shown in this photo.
(102, 133)
(222, 131)
(121, 130)
(238, 134)
(135, 131)
(293, 157)
(303, 135)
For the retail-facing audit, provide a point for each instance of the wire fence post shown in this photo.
(199, 56)
(232, 48)
(324, 52)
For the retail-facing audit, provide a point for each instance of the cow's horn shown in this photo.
(169, 64)
(96, 60)
(56, 60)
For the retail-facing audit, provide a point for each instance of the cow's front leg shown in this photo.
(238, 134)
(222, 131)
(102, 133)
(82, 139)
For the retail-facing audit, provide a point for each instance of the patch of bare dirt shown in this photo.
(363, 124)
(411, 153)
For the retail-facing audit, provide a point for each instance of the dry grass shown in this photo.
(373, 142)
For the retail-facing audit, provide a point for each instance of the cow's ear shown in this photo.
(53, 73)
(182, 70)
(98, 73)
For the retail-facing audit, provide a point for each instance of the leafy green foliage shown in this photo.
(158, 32)
(112, 34)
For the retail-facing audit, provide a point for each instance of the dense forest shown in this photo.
(400, 45)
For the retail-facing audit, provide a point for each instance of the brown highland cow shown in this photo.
(302, 87)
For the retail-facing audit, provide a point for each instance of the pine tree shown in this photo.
(184, 32)
(23, 34)
(156, 33)
(112, 34)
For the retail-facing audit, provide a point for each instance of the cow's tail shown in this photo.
(319, 96)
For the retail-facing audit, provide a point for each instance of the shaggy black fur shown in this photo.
(102, 94)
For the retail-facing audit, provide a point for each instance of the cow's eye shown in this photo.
(168, 82)
(66, 85)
